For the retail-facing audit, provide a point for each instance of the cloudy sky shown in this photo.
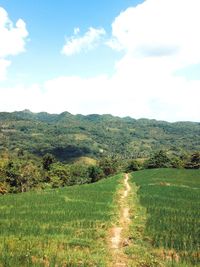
(125, 57)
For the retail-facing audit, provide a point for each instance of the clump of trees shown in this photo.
(23, 172)
(161, 159)
(133, 165)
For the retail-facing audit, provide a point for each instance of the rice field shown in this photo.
(62, 227)
(171, 198)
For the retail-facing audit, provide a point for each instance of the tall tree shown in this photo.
(47, 160)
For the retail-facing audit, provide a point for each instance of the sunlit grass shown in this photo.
(66, 226)
(172, 201)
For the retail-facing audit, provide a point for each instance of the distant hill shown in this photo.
(70, 136)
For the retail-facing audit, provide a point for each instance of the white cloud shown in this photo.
(21, 97)
(158, 38)
(4, 64)
(76, 31)
(156, 42)
(174, 99)
(13, 38)
(88, 41)
(164, 28)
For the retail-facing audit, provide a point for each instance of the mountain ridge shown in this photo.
(70, 136)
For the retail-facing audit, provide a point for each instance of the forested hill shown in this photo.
(70, 136)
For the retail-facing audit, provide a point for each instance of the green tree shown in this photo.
(132, 165)
(79, 174)
(95, 173)
(12, 175)
(21, 175)
(158, 160)
(62, 172)
(109, 165)
(30, 175)
(47, 160)
(177, 162)
(194, 161)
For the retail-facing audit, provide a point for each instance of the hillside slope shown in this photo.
(70, 136)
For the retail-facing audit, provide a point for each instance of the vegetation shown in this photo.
(39, 150)
(52, 224)
(25, 173)
(60, 227)
(171, 198)
(68, 137)
(22, 173)
(140, 252)
(158, 160)
(194, 161)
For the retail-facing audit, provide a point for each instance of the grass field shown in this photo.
(62, 227)
(69, 226)
(172, 203)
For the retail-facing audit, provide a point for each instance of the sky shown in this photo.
(132, 58)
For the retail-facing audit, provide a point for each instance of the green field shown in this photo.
(62, 227)
(172, 202)
(70, 226)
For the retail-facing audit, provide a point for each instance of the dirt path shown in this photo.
(117, 240)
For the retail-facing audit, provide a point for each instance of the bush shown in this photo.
(194, 161)
(109, 165)
(95, 173)
(133, 165)
(158, 160)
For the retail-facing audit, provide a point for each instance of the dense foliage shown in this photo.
(68, 136)
(25, 173)
(172, 200)
(39, 150)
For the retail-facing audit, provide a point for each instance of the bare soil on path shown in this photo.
(118, 240)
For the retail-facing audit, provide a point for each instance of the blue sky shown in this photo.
(49, 23)
(125, 57)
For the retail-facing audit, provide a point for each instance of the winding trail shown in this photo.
(117, 240)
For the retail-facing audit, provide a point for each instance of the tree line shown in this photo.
(22, 173)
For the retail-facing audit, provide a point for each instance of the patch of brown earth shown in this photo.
(116, 240)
